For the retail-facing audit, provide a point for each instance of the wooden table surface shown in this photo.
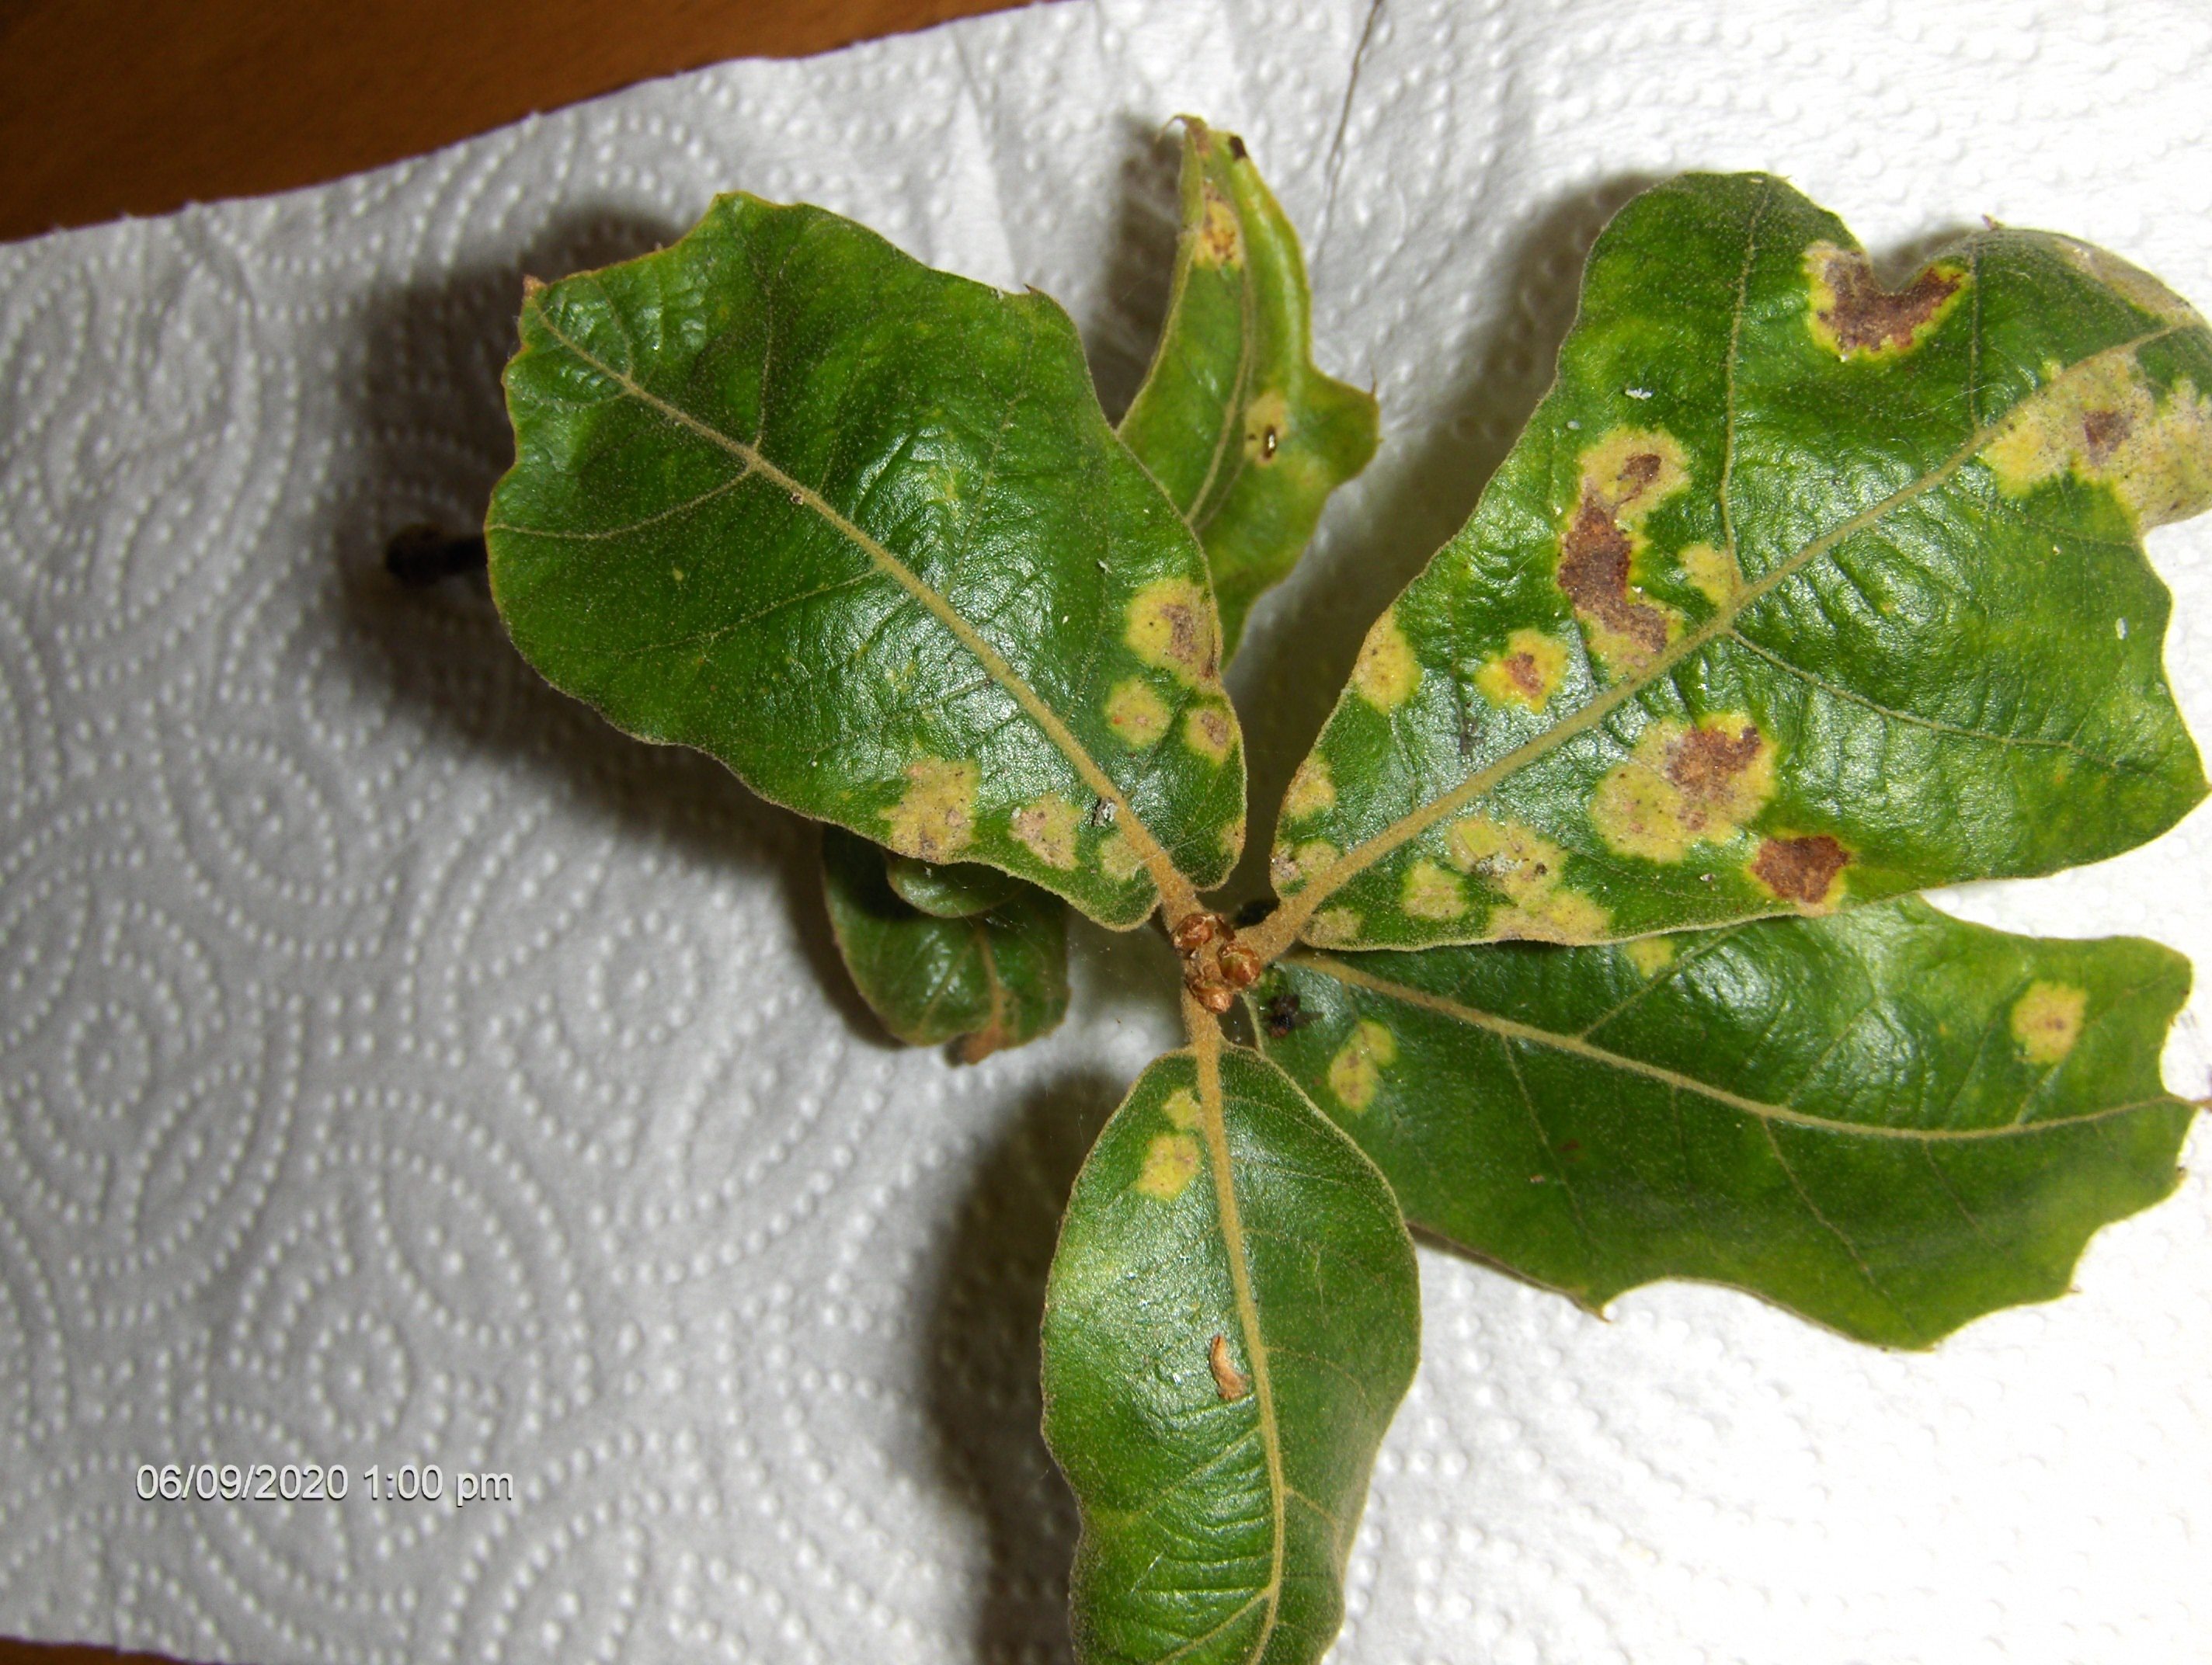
(138, 106)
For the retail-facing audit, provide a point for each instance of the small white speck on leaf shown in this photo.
(1638, 392)
(2122, 627)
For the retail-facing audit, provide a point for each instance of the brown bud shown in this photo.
(1215, 995)
(1240, 965)
(1193, 931)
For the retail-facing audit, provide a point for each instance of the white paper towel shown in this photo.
(397, 1064)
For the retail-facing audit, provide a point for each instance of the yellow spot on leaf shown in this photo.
(1182, 1109)
(1118, 859)
(1291, 866)
(2102, 422)
(1684, 785)
(1565, 915)
(1048, 828)
(1527, 673)
(1171, 627)
(1136, 713)
(1430, 893)
(2046, 1021)
(1220, 240)
(1231, 836)
(1386, 672)
(1266, 428)
(1332, 928)
(936, 819)
(1650, 955)
(1208, 730)
(1311, 790)
(1170, 1162)
(1357, 1069)
(1712, 573)
(1528, 870)
(1633, 469)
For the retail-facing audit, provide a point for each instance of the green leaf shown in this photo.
(949, 889)
(1796, 592)
(860, 529)
(991, 981)
(1232, 1317)
(1248, 437)
(1888, 1121)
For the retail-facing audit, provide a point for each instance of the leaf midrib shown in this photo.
(1576, 1046)
(1206, 1038)
(1174, 889)
(1302, 906)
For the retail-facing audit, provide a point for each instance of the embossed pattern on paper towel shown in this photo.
(396, 1063)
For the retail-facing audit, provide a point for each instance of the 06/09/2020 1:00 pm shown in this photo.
(315, 1482)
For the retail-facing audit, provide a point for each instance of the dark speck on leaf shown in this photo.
(1282, 1013)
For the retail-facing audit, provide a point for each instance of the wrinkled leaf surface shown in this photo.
(1232, 1317)
(1889, 1120)
(860, 529)
(1797, 591)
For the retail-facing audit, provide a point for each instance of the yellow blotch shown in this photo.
(1712, 573)
(1170, 1163)
(1171, 627)
(1267, 426)
(1357, 1069)
(1684, 785)
(2102, 422)
(1182, 1109)
(1209, 730)
(1311, 790)
(1430, 893)
(1048, 828)
(1650, 955)
(1851, 315)
(936, 819)
(1231, 836)
(1527, 673)
(1291, 866)
(1118, 859)
(1632, 471)
(1511, 858)
(1386, 672)
(1220, 238)
(1563, 915)
(1136, 713)
(1332, 928)
(2046, 1021)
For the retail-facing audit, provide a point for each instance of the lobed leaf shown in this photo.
(860, 529)
(990, 980)
(1232, 1317)
(1797, 592)
(1235, 420)
(1888, 1121)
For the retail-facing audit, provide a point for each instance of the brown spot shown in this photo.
(2102, 432)
(1705, 761)
(1800, 870)
(1236, 148)
(936, 818)
(1593, 560)
(1853, 314)
(1048, 828)
(1220, 237)
(1521, 672)
(1170, 625)
(1282, 1013)
(1231, 1383)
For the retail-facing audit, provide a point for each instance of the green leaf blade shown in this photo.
(859, 529)
(1786, 569)
(1222, 1356)
(949, 889)
(1235, 420)
(992, 980)
(1888, 1121)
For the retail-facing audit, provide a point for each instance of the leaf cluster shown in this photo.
(1598, 951)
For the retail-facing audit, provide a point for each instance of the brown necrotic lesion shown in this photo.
(1852, 315)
